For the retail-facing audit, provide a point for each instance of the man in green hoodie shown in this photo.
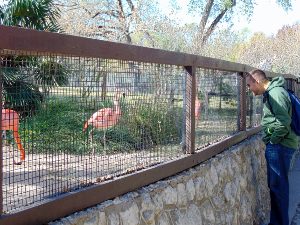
(281, 146)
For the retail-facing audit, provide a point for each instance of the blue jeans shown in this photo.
(281, 162)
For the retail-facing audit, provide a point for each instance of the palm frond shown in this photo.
(50, 73)
(19, 94)
(39, 14)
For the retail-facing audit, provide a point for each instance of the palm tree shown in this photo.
(34, 14)
(19, 85)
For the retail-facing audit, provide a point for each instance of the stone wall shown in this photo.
(228, 189)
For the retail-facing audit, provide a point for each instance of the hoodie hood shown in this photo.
(276, 82)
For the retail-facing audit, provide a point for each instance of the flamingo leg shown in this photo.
(20, 147)
(4, 140)
(10, 121)
(90, 136)
(104, 140)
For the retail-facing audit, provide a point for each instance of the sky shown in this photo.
(268, 17)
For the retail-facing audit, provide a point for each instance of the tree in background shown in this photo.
(142, 22)
(286, 50)
(217, 13)
(277, 53)
(226, 44)
(257, 51)
(114, 20)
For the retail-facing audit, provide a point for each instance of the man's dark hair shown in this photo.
(258, 74)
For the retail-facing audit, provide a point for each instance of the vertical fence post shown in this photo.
(292, 84)
(297, 87)
(1, 146)
(289, 84)
(190, 89)
(242, 102)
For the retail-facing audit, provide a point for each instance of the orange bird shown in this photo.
(197, 108)
(106, 117)
(10, 121)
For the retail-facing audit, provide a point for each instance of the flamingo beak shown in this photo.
(123, 94)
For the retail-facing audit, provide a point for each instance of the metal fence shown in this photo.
(89, 112)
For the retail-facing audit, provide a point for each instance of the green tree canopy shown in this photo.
(35, 14)
(212, 13)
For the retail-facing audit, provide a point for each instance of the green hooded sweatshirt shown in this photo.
(276, 127)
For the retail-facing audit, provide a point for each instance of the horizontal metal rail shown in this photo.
(34, 41)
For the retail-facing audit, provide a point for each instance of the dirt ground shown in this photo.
(43, 176)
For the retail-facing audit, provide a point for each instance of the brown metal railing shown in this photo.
(122, 58)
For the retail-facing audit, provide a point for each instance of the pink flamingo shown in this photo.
(10, 121)
(106, 117)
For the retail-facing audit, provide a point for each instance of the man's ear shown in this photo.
(257, 80)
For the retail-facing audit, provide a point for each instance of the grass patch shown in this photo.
(57, 127)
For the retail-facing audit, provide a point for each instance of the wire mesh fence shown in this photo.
(218, 92)
(85, 120)
(69, 122)
(254, 110)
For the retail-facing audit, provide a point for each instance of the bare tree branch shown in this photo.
(204, 35)
(205, 16)
(131, 5)
(113, 13)
(213, 25)
(121, 14)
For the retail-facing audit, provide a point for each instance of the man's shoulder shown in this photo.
(278, 90)
(279, 96)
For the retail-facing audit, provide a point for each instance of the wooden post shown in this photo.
(242, 102)
(190, 89)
